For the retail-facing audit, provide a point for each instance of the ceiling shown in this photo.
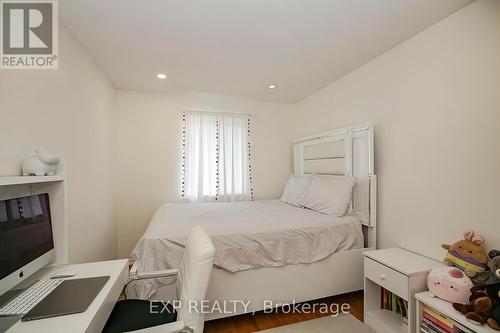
(240, 47)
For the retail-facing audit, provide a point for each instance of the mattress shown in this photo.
(246, 235)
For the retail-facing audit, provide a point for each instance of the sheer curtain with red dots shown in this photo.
(216, 157)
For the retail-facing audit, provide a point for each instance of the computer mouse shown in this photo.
(63, 274)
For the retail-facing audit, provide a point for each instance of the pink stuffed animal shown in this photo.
(450, 284)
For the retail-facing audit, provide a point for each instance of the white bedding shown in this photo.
(246, 235)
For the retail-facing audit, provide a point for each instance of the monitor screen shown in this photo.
(25, 231)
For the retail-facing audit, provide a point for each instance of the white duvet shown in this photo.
(246, 235)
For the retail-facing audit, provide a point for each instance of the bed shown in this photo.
(268, 252)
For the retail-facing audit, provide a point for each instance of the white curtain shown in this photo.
(216, 157)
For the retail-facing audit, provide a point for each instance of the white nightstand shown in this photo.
(403, 273)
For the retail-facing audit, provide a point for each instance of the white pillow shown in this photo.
(329, 195)
(296, 190)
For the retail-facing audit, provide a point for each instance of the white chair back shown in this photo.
(194, 275)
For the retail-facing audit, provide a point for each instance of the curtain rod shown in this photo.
(207, 112)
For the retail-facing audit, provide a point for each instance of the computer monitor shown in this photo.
(26, 240)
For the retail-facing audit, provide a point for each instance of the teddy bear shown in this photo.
(484, 306)
(467, 254)
(492, 274)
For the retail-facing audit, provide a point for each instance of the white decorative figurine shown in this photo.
(43, 164)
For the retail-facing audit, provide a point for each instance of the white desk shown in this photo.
(92, 320)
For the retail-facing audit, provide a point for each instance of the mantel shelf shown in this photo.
(20, 180)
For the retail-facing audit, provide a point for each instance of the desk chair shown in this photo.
(193, 276)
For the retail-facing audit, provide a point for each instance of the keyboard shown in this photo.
(24, 302)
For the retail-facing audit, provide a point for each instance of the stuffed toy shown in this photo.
(467, 254)
(43, 164)
(450, 284)
(492, 274)
(484, 305)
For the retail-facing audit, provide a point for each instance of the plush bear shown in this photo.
(492, 274)
(467, 254)
(484, 306)
(493, 292)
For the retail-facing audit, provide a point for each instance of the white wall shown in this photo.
(434, 100)
(71, 111)
(148, 142)
(435, 103)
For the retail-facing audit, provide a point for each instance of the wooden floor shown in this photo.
(260, 321)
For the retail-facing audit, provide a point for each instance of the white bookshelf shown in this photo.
(20, 180)
(401, 272)
(448, 311)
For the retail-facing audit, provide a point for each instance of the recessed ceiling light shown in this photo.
(162, 76)
(273, 86)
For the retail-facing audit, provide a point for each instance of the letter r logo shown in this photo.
(27, 27)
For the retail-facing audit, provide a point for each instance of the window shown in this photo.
(216, 157)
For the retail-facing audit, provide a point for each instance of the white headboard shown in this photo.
(343, 152)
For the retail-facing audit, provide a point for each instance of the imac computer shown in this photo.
(26, 241)
(26, 246)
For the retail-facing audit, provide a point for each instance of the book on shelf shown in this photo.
(392, 302)
(436, 322)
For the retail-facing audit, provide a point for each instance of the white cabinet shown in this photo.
(401, 272)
